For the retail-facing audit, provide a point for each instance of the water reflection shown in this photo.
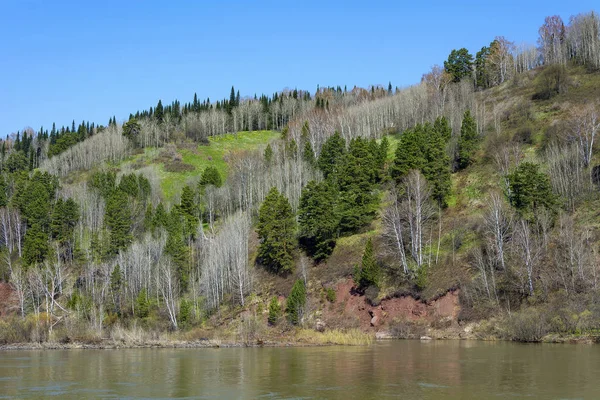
(403, 369)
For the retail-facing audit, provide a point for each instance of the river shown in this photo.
(389, 369)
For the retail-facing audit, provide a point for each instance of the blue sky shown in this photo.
(65, 60)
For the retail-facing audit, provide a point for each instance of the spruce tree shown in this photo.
(410, 153)
(268, 154)
(318, 219)
(296, 302)
(468, 141)
(331, 154)
(189, 211)
(308, 155)
(118, 219)
(211, 176)
(437, 167)
(276, 230)
(274, 311)
(368, 274)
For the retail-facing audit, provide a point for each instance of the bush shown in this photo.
(528, 325)
(330, 295)
(274, 311)
(296, 302)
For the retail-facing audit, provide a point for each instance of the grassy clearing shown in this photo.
(352, 337)
(199, 157)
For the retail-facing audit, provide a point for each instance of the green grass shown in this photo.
(214, 154)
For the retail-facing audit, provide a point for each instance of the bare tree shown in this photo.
(498, 226)
(585, 124)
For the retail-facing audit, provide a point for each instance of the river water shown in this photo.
(388, 369)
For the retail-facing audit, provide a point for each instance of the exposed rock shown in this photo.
(320, 326)
(426, 338)
(374, 320)
(383, 335)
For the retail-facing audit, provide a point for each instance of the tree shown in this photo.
(500, 60)
(276, 231)
(268, 155)
(482, 78)
(35, 245)
(368, 274)
(118, 220)
(437, 167)
(318, 219)
(142, 304)
(189, 211)
(468, 140)
(211, 176)
(530, 190)
(552, 40)
(274, 311)
(331, 153)
(308, 155)
(296, 302)
(410, 153)
(356, 176)
(159, 112)
(459, 64)
(131, 130)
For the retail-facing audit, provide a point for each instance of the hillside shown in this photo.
(464, 206)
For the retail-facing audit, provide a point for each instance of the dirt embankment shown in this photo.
(441, 312)
(9, 303)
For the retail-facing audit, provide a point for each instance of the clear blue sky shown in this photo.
(65, 60)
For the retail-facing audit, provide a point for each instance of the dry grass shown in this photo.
(352, 337)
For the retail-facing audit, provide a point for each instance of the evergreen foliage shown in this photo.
(368, 273)
(459, 64)
(274, 311)
(530, 190)
(211, 176)
(332, 152)
(296, 302)
(468, 141)
(318, 219)
(276, 230)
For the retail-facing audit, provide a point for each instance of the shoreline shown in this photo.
(217, 344)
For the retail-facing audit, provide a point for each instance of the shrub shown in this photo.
(274, 311)
(528, 325)
(296, 302)
(330, 295)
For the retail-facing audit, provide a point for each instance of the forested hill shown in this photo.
(483, 179)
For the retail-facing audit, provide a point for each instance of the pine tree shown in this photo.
(211, 176)
(118, 219)
(291, 149)
(468, 141)
(142, 304)
(296, 302)
(437, 167)
(318, 219)
(268, 154)
(410, 153)
(189, 210)
(368, 274)
(531, 190)
(331, 153)
(176, 247)
(159, 112)
(459, 64)
(35, 245)
(274, 311)
(276, 230)
(308, 155)
(356, 177)
(442, 126)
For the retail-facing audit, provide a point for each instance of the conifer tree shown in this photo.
(274, 311)
(176, 247)
(368, 274)
(318, 219)
(308, 155)
(211, 176)
(189, 211)
(35, 245)
(468, 141)
(437, 167)
(268, 154)
(410, 153)
(331, 153)
(118, 220)
(296, 302)
(276, 230)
